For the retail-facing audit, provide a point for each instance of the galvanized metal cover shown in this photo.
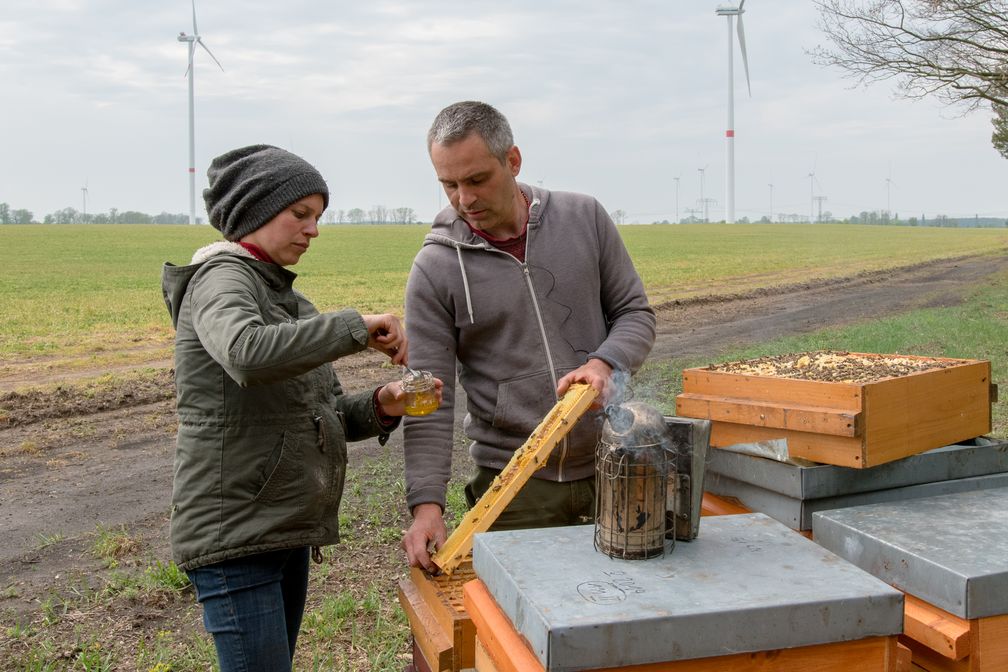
(950, 550)
(825, 480)
(747, 583)
(797, 513)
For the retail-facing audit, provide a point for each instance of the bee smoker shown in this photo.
(633, 468)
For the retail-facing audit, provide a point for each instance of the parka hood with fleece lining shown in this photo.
(175, 279)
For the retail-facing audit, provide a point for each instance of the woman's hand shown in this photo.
(386, 334)
(393, 400)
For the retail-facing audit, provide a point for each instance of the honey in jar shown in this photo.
(421, 395)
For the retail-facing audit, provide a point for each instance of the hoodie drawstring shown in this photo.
(465, 283)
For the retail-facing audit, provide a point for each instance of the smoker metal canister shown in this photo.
(631, 471)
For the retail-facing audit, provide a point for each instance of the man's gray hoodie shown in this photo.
(514, 329)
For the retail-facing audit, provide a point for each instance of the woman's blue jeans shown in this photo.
(253, 607)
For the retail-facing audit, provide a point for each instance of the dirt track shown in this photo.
(70, 462)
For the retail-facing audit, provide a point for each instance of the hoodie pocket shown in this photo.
(523, 402)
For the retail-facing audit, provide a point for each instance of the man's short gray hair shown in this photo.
(458, 120)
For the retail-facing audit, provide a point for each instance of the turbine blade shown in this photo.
(207, 49)
(745, 58)
(740, 6)
(194, 29)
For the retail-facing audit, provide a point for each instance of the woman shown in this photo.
(263, 421)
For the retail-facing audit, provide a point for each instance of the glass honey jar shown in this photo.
(421, 395)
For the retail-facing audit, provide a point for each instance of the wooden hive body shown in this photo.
(847, 424)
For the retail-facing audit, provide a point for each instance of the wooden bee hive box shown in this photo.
(443, 633)
(848, 409)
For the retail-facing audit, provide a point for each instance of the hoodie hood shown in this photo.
(175, 279)
(451, 230)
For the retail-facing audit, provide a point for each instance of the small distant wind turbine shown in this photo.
(193, 40)
(703, 206)
(888, 194)
(811, 188)
(84, 194)
(729, 11)
(676, 178)
(813, 199)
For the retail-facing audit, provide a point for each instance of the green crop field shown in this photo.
(85, 289)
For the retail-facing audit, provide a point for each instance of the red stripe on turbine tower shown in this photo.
(730, 133)
(192, 170)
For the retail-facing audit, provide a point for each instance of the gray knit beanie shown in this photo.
(252, 185)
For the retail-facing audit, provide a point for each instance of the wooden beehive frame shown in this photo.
(526, 460)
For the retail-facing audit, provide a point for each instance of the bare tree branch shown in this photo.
(955, 49)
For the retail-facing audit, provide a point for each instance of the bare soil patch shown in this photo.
(76, 454)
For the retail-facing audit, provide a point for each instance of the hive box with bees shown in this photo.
(843, 408)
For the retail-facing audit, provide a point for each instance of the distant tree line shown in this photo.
(74, 216)
(8, 216)
(379, 214)
(874, 217)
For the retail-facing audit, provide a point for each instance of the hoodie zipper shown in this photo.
(549, 357)
(535, 305)
(542, 334)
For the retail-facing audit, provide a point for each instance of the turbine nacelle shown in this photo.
(730, 10)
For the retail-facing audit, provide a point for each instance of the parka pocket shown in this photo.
(284, 475)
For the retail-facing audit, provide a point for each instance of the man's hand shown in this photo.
(426, 534)
(386, 334)
(594, 372)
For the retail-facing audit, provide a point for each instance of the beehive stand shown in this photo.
(526, 460)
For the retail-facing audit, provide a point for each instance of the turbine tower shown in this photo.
(730, 11)
(676, 200)
(703, 208)
(192, 41)
(84, 195)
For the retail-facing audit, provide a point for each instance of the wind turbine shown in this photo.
(811, 195)
(676, 199)
(703, 206)
(730, 11)
(84, 194)
(192, 41)
(888, 196)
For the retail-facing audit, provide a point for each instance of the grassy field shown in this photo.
(88, 290)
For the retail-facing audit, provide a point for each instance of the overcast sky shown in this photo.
(615, 99)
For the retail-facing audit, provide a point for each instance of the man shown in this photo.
(526, 291)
